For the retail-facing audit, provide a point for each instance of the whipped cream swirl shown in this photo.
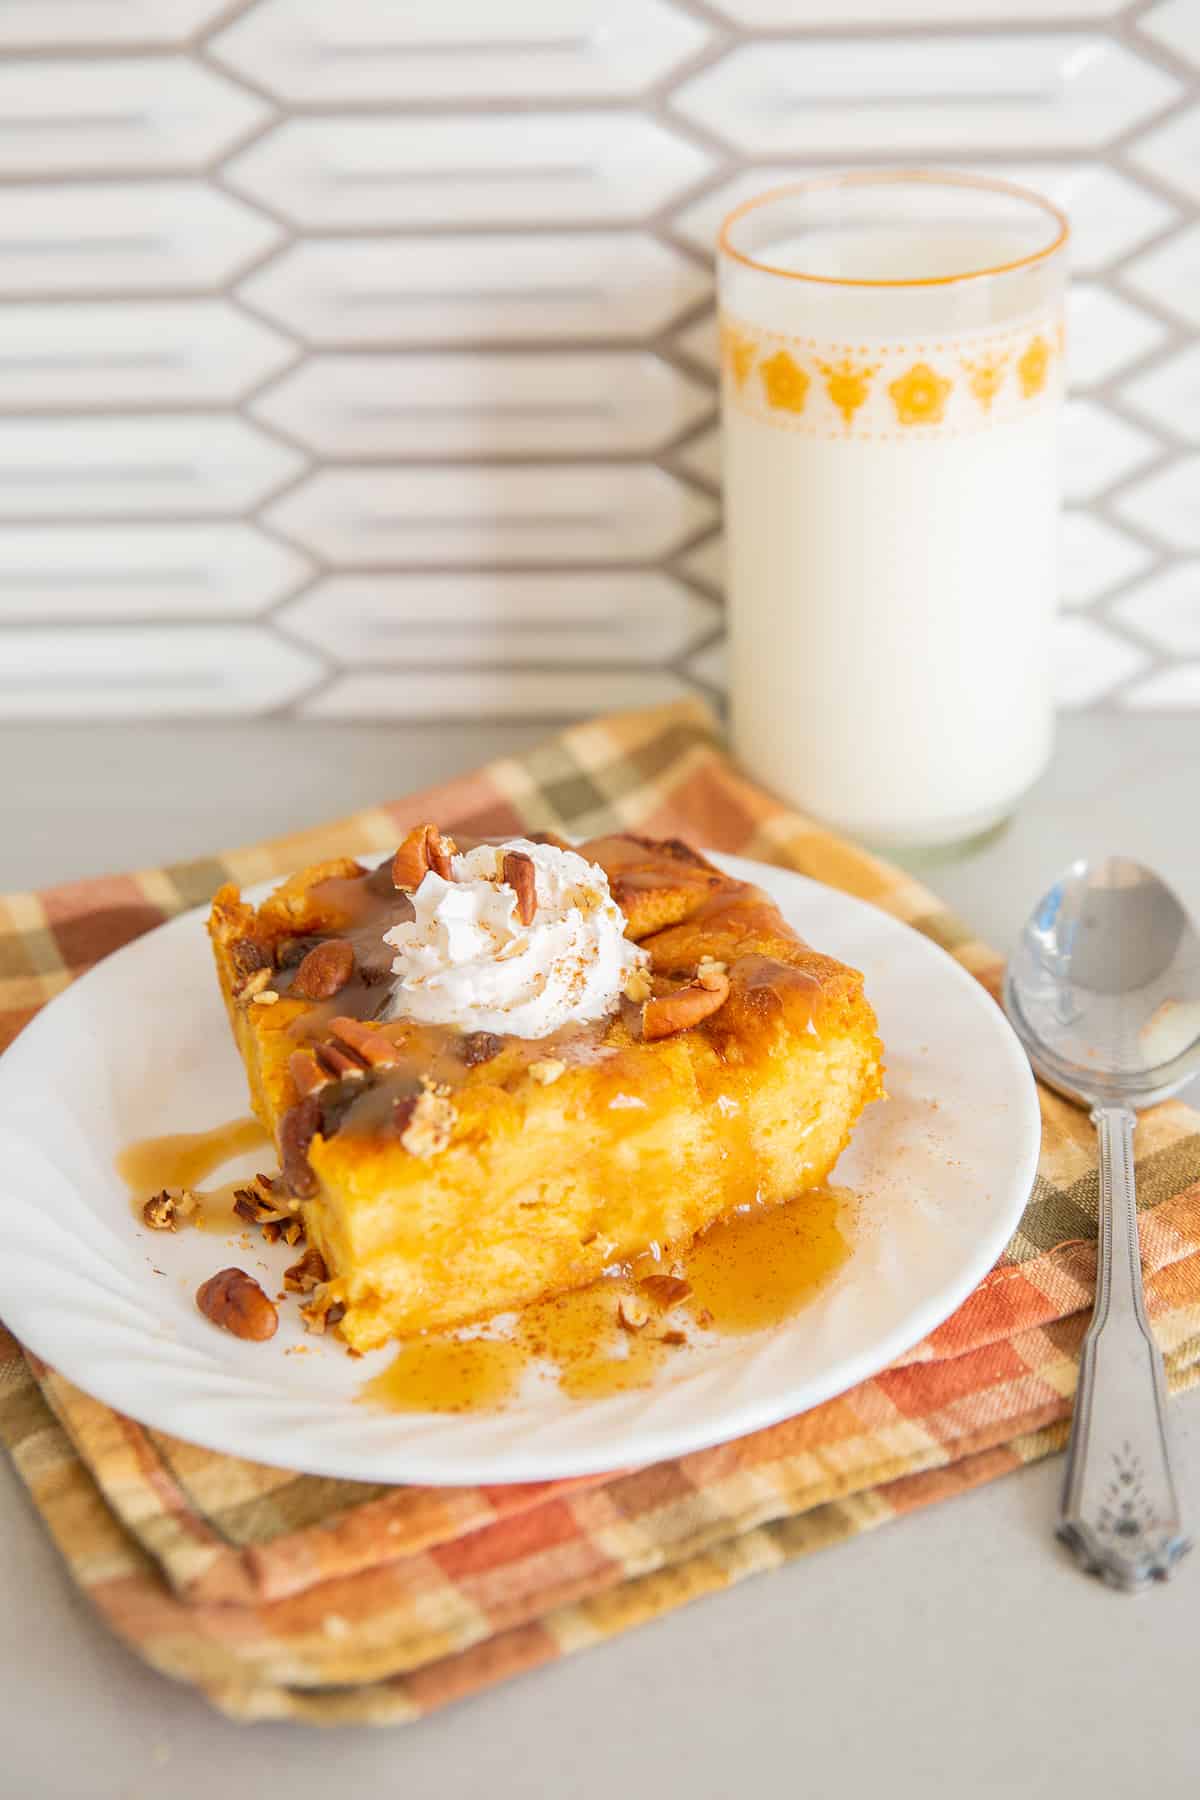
(467, 960)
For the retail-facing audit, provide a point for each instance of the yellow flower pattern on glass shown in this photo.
(985, 375)
(848, 384)
(786, 383)
(1033, 367)
(879, 390)
(920, 395)
(739, 352)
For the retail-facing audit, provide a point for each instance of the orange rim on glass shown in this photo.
(891, 178)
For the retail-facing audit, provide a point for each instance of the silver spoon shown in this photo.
(1104, 993)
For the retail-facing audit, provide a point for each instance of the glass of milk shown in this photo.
(892, 372)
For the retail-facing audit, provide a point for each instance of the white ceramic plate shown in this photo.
(140, 1046)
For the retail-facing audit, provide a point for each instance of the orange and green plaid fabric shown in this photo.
(288, 1596)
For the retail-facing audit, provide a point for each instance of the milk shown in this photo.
(891, 559)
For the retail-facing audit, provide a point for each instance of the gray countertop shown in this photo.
(956, 1649)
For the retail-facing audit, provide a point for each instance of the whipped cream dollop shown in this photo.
(467, 960)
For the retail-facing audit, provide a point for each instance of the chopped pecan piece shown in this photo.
(667, 1013)
(632, 1313)
(430, 1123)
(666, 1290)
(710, 973)
(638, 986)
(321, 1314)
(257, 1209)
(480, 1047)
(547, 1070)
(672, 1337)
(520, 873)
(376, 1050)
(423, 849)
(309, 1273)
(234, 1301)
(255, 983)
(167, 1211)
(325, 970)
(301, 1124)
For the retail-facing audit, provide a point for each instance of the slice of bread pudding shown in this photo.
(669, 1059)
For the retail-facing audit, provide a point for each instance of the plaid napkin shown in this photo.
(289, 1596)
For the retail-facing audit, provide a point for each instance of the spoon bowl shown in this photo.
(1104, 987)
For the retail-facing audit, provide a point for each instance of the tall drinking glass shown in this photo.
(892, 357)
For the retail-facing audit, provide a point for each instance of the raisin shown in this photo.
(246, 956)
(291, 952)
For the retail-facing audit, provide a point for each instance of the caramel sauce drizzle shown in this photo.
(750, 1272)
(362, 908)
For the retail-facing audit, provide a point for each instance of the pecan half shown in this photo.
(423, 849)
(301, 1124)
(480, 1047)
(376, 1050)
(340, 1063)
(325, 970)
(521, 875)
(666, 1014)
(234, 1301)
(336, 1101)
(309, 1273)
(306, 1072)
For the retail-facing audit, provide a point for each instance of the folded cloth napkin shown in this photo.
(289, 1596)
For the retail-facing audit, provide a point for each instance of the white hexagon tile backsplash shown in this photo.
(358, 360)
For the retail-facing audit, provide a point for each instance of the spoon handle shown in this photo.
(1119, 1511)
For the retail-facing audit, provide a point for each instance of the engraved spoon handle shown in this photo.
(1119, 1511)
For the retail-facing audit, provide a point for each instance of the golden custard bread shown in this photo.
(445, 1174)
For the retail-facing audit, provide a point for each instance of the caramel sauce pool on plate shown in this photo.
(183, 1159)
(748, 1273)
